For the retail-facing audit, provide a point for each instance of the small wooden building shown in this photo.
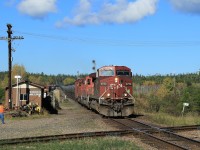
(25, 92)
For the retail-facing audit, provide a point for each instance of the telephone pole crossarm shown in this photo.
(3, 38)
(13, 38)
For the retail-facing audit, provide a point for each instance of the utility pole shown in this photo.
(9, 39)
(9, 26)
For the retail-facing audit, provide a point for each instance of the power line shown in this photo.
(113, 42)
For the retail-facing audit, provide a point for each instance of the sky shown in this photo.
(64, 36)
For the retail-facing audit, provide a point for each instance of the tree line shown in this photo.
(154, 93)
(187, 78)
(168, 93)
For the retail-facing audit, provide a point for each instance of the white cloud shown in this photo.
(37, 8)
(188, 6)
(120, 11)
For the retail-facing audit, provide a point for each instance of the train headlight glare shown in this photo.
(108, 94)
(125, 94)
(116, 80)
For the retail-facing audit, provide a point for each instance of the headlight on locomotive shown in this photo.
(108, 95)
(125, 94)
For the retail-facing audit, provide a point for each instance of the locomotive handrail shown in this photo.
(130, 94)
(103, 94)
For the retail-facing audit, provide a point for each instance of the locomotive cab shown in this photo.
(115, 83)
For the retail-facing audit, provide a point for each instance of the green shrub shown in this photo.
(2, 95)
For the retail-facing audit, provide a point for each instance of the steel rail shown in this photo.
(162, 135)
(14, 141)
(182, 128)
(159, 142)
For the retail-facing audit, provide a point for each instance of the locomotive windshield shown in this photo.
(122, 73)
(107, 72)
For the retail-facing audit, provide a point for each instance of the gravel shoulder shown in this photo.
(195, 135)
(72, 118)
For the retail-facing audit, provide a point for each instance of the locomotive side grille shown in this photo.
(103, 84)
(128, 84)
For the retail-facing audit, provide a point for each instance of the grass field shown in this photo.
(107, 143)
(166, 119)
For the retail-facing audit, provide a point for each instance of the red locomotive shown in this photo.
(108, 91)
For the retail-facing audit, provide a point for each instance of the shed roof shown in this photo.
(28, 82)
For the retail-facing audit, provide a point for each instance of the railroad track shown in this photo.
(63, 137)
(161, 138)
(182, 128)
(154, 136)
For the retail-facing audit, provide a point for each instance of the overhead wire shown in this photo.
(118, 42)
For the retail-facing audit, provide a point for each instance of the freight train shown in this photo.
(108, 91)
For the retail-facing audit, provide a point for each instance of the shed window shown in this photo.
(23, 97)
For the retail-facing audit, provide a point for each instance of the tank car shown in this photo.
(69, 90)
(108, 91)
